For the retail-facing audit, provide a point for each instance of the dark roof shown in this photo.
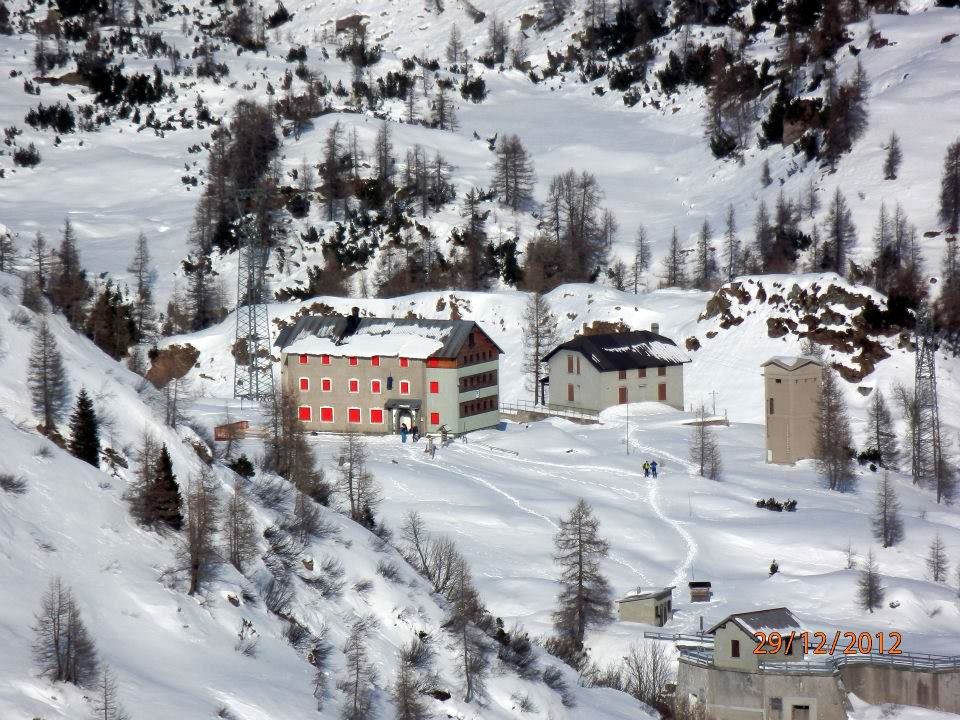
(750, 622)
(452, 334)
(792, 362)
(625, 350)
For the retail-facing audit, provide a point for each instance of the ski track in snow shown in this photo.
(486, 483)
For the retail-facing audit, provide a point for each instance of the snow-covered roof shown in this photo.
(646, 594)
(764, 621)
(793, 362)
(625, 350)
(365, 337)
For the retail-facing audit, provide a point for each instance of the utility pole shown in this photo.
(927, 461)
(713, 394)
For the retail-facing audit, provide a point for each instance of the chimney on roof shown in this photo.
(355, 311)
(353, 322)
(655, 328)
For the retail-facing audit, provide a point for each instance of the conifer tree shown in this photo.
(887, 524)
(384, 160)
(69, 289)
(359, 674)
(466, 612)
(893, 158)
(240, 529)
(674, 264)
(641, 258)
(455, 51)
(833, 436)
(704, 448)
(8, 252)
(585, 595)
(164, 502)
(869, 590)
(444, 114)
(937, 563)
(765, 179)
(85, 431)
(540, 336)
(106, 705)
(731, 243)
(46, 377)
(41, 261)
(950, 188)
(881, 434)
(62, 644)
(144, 275)
(198, 552)
(762, 238)
(513, 174)
(840, 232)
(704, 272)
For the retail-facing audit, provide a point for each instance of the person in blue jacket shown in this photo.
(403, 433)
(653, 468)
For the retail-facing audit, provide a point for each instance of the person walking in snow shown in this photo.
(646, 468)
(403, 433)
(653, 468)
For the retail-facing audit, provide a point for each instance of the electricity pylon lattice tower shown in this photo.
(253, 369)
(927, 450)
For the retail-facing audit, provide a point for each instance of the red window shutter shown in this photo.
(375, 387)
(434, 387)
(324, 359)
(303, 359)
(404, 387)
(569, 393)
(433, 362)
(304, 383)
(434, 418)
(353, 361)
(353, 415)
(325, 384)
(570, 364)
(326, 414)
(304, 413)
(404, 362)
(354, 386)
(375, 361)
(376, 416)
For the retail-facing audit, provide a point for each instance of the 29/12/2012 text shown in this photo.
(821, 643)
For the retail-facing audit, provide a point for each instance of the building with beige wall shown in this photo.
(651, 606)
(791, 395)
(594, 372)
(376, 375)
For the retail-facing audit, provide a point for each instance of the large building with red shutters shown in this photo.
(376, 375)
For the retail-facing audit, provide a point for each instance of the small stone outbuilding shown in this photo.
(651, 606)
(791, 395)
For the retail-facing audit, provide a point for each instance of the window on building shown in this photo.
(642, 373)
(770, 406)
(326, 414)
(434, 387)
(570, 364)
(578, 364)
(404, 362)
(376, 416)
(326, 384)
(303, 359)
(324, 359)
(735, 648)
(434, 418)
(662, 371)
(621, 374)
(778, 381)
(305, 413)
(471, 341)
(375, 361)
(433, 362)
(375, 387)
(304, 384)
(353, 416)
(404, 387)
(353, 385)
(569, 392)
(353, 361)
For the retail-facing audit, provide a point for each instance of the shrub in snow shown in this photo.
(388, 570)
(12, 484)
(27, 157)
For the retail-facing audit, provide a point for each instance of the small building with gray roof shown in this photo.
(791, 395)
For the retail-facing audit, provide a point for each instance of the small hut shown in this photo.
(700, 590)
(653, 606)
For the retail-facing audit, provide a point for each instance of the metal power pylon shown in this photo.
(927, 450)
(253, 369)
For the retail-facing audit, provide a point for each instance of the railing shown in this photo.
(828, 666)
(519, 406)
(699, 638)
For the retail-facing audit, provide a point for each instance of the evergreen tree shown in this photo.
(332, 177)
(163, 501)
(869, 590)
(46, 377)
(111, 324)
(455, 51)
(765, 179)
(144, 275)
(881, 434)
(950, 188)
(8, 252)
(705, 269)
(384, 160)
(937, 563)
(841, 234)
(887, 524)
(85, 431)
(833, 437)
(444, 114)
(540, 336)
(762, 238)
(731, 244)
(641, 258)
(585, 596)
(811, 201)
(893, 158)
(41, 261)
(69, 289)
(674, 264)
